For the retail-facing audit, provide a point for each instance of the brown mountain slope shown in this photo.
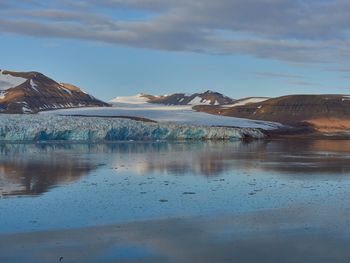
(326, 113)
(37, 92)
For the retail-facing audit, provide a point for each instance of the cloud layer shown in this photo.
(297, 31)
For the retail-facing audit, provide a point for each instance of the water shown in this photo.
(212, 194)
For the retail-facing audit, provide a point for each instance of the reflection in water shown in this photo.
(215, 158)
(297, 156)
(100, 184)
(27, 169)
(34, 169)
(268, 237)
(306, 157)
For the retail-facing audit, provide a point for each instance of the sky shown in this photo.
(237, 47)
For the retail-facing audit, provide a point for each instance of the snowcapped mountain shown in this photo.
(30, 92)
(205, 98)
(162, 110)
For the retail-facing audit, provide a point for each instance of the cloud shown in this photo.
(291, 79)
(277, 75)
(301, 83)
(295, 31)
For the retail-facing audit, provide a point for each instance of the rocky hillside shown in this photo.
(205, 98)
(30, 92)
(324, 112)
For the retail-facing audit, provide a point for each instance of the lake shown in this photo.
(266, 201)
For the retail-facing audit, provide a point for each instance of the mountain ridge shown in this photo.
(200, 98)
(324, 112)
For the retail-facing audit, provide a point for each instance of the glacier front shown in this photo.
(19, 128)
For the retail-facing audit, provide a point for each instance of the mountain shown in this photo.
(205, 98)
(326, 113)
(30, 92)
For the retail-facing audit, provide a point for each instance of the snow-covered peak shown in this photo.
(136, 99)
(8, 81)
(30, 92)
(206, 98)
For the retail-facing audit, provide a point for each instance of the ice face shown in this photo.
(94, 129)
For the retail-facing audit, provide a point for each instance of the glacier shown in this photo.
(183, 114)
(20, 128)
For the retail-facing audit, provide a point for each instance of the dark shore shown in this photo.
(306, 132)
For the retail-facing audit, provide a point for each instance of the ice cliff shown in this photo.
(94, 129)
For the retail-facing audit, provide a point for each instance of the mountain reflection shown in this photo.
(215, 158)
(33, 169)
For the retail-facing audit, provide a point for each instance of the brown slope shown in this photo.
(323, 112)
(40, 92)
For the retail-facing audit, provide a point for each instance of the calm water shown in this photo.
(271, 194)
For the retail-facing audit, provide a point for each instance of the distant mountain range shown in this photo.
(206, 98)
(31, 92)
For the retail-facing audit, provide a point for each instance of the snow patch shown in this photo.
(33, 85)
(2, 94)
(25, 107)
(245, 102)
(345, 98)
(8, 81)
(66, 90)
(199, 101)
(137, 99)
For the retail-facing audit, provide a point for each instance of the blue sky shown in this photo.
(240, 48)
